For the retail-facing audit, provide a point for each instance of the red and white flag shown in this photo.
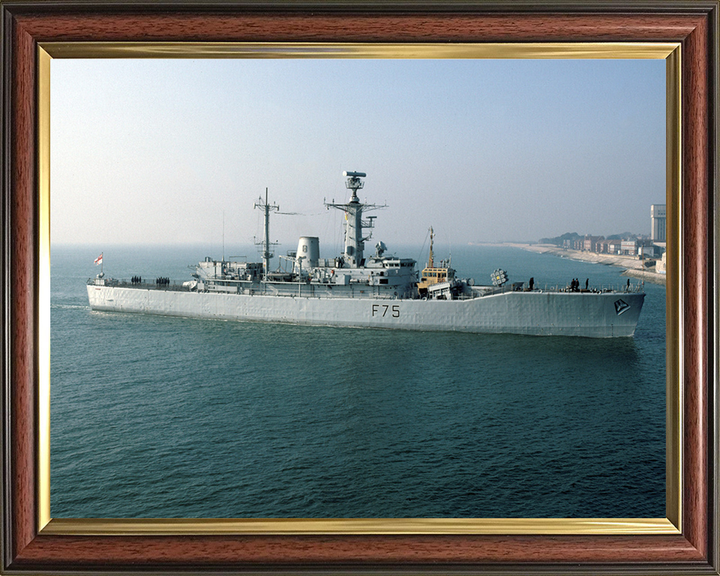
(98, 260)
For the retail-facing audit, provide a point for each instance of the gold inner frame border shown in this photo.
(668, 51)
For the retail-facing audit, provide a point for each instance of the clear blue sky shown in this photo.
(154, 151)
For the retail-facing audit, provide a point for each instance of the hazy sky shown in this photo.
(154, 151)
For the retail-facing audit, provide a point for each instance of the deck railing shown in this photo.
(172, 286)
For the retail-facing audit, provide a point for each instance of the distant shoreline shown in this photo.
(633, 267)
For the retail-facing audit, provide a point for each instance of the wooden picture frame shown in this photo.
(31, 545)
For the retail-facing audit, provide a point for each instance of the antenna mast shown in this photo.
(432, 236)
(266, 208)
(354, 224)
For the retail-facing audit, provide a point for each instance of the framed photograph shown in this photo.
(665, 529)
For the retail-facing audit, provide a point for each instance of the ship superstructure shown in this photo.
(377, 290)
(437, 281)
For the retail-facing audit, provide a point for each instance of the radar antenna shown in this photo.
(354, 183)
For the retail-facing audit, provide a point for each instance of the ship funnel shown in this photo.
(309, 250)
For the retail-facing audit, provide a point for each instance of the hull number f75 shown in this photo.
(383, 310)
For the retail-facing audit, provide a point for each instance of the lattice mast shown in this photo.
(354, 241)
(266, 244)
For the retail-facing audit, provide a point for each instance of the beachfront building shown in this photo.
(661, 264)
(593, 243)
(577, 244)
(608, 246)
(628, 247)
(657, 222)
(648, 251)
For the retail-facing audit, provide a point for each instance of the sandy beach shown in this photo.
(633, 267)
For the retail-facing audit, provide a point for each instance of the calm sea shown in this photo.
(173, 417)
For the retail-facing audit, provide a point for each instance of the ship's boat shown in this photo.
(371, 291)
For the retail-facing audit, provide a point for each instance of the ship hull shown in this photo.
(596, 315)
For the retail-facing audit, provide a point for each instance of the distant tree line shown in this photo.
(571, 237)
(559, 240)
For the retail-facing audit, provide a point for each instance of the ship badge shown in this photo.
(621, 306)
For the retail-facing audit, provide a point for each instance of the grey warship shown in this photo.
(371, 291)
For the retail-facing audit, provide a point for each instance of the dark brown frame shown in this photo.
(692, 23)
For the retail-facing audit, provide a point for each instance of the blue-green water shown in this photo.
(172, 417)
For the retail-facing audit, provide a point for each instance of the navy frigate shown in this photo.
(371, 291)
